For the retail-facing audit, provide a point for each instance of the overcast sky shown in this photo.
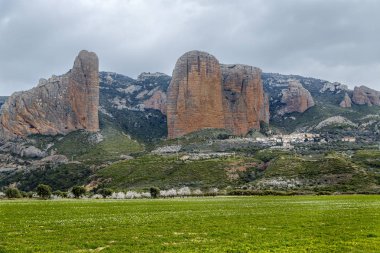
(336, 40)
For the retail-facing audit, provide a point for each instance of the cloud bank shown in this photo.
(334, 40)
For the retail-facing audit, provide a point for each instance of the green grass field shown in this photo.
(220, 224)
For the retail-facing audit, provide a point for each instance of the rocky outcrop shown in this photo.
(346, 102)
(204, 94)
(157, 101)
(22, 150)
(366, 96)
(333, 87)
(335, 120)
(296, 98)
(58, 105)
(195, 95)
(244, 101)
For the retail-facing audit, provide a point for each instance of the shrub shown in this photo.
(184, 191)
(118, 195)
(12, 193)
(154, 192)
(78, 191)
(132, 195)
(197, 192)
(44, 191)
(171, 193)
(60, 194)
(105, 192)
(212, 192)
(29, 195)
(97, 196)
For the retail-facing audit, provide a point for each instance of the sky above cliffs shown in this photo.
(335, 40)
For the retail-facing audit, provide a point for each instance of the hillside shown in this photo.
(132, 121)
(327, 97)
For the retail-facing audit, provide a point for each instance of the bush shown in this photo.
(29, 195)
(12, 193)
(60, 194)
(106, 192)
(78, 191)
(44, 191)
(239, 192)
(154, 192)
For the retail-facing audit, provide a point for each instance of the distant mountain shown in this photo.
(136, 105)
(328, 98)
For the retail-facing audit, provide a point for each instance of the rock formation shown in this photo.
(195, 95)
(264, 113)
(333, 87)
(244, 102)
(58, 105)
(296, 98)
(157, 101)
(366, 96)
(346, 102)
(205, 94)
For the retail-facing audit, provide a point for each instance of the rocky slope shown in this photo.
(58, 105)
(330, 99)
(137, 106)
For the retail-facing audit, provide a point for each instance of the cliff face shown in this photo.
(58, 105)
(195, 95)
(205, 94)
(366, 96)
(244, 102)
(296, 99)
(157, 101)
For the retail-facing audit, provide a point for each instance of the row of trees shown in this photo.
(45, 192)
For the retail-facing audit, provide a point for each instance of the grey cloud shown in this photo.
(334, 40)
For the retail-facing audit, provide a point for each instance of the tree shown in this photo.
(12, 193)
(78, 191)
(105, 192)
(154, 192)
(59, 193)
(44, 191)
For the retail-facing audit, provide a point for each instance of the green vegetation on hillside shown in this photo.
(228, 224)
(60, 177)
(330, 173)
(318, 113)
(167, 172)
(93, 148)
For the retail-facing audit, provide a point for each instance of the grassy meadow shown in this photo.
(219, 224)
